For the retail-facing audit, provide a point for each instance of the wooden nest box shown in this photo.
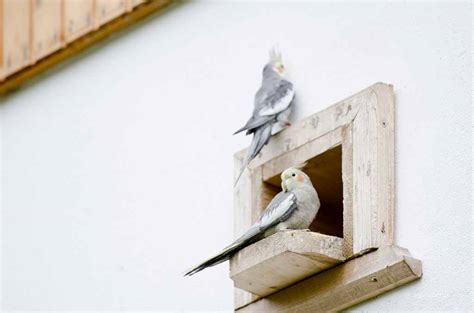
(348, 149)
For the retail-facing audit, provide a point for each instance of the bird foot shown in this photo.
(292, 229)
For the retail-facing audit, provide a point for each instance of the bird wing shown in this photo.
(279, 209)
(271, 99)
(277, 99)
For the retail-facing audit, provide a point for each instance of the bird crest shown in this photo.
(275, 54)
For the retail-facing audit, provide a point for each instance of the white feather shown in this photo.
(278, 212)
(279, 106)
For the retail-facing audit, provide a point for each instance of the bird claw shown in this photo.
(292, 229)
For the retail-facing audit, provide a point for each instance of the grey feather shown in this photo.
(277, 98)
(248, 238)
(272, 107)
(279, 209)
(260, 139)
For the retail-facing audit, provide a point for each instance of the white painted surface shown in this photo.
(117, 168)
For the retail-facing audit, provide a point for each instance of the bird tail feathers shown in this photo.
(240, 130)
(260, 139)
(217, 259)
(254, 123)
(249, 237)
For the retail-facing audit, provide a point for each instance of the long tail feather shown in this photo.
(254, 123)
(260, 139)
(240, 130)
(242, 169)
(248, 238)
(222, 257)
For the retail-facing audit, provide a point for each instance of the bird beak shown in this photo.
(283, 186)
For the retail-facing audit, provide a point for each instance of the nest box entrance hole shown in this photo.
(325, 171)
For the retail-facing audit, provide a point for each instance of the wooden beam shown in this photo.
(15, 44)
(142, 11)
(345, 285)
(283, 259)
(373, 170)
(78, 19)
(47, 25)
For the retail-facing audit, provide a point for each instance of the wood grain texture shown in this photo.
(275, 166)
(20, 77)
(134, 3)
(347, 180)
(78, 18)
(373, 170)
(283, 259)
(107, 10)
(16, 35)
(345, 285)
(47, 27)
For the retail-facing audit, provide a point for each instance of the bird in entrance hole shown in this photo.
(295, 207)
(272, 108)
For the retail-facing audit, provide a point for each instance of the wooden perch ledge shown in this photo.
(283, 259)
(345, 285)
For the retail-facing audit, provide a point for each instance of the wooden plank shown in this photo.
(16, 53)
(78, 18)
(373, 170)
(345, 285)
(347, 182)
(107, 10)
(283, 259)
(131, 4)
(301, 154)
(84, 42)
(135, 3)
(47, 27)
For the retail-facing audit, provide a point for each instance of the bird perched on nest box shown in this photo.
(293, 208)
(272, 107)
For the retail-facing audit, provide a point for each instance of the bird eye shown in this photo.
(293, 174)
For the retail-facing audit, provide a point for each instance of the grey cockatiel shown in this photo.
(272, 107)
(293, 208)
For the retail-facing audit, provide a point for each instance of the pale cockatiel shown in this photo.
(293, 208)
(272, 107)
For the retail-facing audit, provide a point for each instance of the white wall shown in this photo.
(117, 168)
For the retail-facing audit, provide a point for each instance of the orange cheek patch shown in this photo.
(300, 178)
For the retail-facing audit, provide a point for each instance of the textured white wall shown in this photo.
(117, 168)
